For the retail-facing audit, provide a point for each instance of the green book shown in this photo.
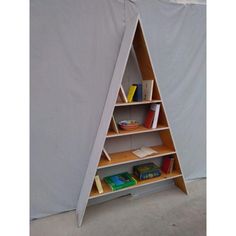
(146, 171)
(120, 181)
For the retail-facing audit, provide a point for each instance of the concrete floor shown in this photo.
(161, 214)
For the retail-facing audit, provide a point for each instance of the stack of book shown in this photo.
(146, 171)
(152, 116)
(138, 92)
(120, 181)
(167, 165)
(135, 93)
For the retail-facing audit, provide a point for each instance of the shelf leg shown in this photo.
(179, 182)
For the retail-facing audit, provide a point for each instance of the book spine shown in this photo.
(131, 93)
(149, 175)
(171, 165)
(166, 165)
(147, 89)
(156, 115)
(98, 184)
(149, 119)
(138, 97)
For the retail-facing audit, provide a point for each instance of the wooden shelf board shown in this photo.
(118, 104)
(94, 193)
(139, 130)
(125, 157)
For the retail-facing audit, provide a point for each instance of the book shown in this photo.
(147, 86)
(106, 154)
(167, 165)
(156, 109)
(113, 125)
(98, 184)
(120, 181)
(149, 119)
(138, 97)
(122, 94)
(144, 151)
(171, 165)
(131, 93)
(146, 171)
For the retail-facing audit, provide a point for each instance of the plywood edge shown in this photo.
(180, 183)
(105, 118)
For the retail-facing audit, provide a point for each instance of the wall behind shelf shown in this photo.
(176, 36)
(74, 46)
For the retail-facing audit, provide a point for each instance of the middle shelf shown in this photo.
(125, 157)
(139, 130)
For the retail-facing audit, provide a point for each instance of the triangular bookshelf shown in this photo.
(112, 152)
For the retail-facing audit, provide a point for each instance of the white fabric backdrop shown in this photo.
(74, 46)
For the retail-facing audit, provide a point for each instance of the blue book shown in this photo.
(138, 95)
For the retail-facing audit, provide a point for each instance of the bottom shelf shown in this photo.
(94, 193)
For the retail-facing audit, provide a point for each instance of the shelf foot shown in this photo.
(179, 182)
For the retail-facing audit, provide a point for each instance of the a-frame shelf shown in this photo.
(119, 104)
(126, 157)
(141, 129)
(118, 107)
(94, 192)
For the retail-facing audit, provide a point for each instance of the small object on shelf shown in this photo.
(113, 125)
(156, 109)
(144, 151)
(149, 119)
(147, 86)
(106, 154)
(146, 171)
(167, 165)
(131, 93)
(128, 125)
(98, 184)
(122, 95)
(120, 181)
(138, 97)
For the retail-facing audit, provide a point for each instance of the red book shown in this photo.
(166, 165)
(149, 119)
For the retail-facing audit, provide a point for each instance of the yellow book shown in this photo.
(131, 93)
(98, 184)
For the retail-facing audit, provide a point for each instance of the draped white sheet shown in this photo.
(74, 47)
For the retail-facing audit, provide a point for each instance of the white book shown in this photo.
(156, 108)
(144, 151)
(139, 153)
(147, 86)
(98, 184)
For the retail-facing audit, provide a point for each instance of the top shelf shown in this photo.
(119, 104)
